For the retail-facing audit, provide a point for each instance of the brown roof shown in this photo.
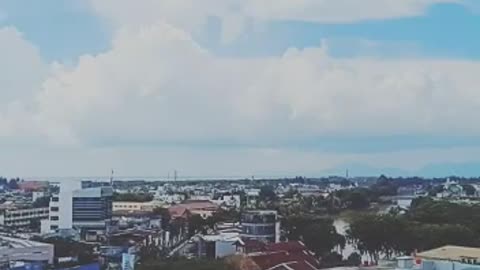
(183, 209)
(288, 255)
(32, 185)
(294, 246)
(178, 211)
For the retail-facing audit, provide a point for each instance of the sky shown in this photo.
(239, 88)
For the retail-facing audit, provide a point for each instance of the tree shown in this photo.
(41, 202)
(469, 189)
(358, 200)
(318, 234)
(3, 181)
(164, 216)
(13, 184)
(132, 197)
(435, 189)
(267, 193)
(195, 224)
(332, 259)
(69, 248)
(35, 225)
(354, 259)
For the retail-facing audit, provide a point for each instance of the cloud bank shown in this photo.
(157, 86)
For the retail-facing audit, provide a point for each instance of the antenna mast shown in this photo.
(111, 178)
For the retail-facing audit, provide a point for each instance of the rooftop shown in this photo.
(9, 242)
(451, 253)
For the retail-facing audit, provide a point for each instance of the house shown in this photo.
(286, 255)
(219, 245)
(203, 208)
(450, 258)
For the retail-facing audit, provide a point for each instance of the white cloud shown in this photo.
(156, 85)
(21, 73)
(191, 15)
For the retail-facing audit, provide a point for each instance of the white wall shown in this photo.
(66, 203)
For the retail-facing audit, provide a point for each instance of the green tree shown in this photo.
(358, 200)
(41, 202)
(13, 183)
(267, 193)
(318, 234)
(196, 224)
(354, 259)
(469, 189)
(164, 216)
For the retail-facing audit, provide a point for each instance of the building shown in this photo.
(288, 255)
(61, 207)
(449, 258)
(219, 245)
(88, 209)
(203, 208)
(14, 249)
(92, 208)
(232, 201)
(30, 186)
(262, 226)
(37, 195)
(22, 218)
(122, 207)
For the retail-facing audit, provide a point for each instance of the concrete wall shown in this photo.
(224, 249)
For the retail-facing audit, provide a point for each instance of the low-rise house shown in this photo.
(134, 206)
(286, 255)
(450, 258)
(219, 245)
(183, 210)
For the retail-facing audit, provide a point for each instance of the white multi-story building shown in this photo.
(61, 214)
(88, 209)
(20, 218)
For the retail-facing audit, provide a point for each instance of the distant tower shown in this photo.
(175, 175)
(346, 174)
(111, 178)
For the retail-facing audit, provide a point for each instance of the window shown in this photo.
(53, 227)
(54, 209)
(55, 199)
(54, 218)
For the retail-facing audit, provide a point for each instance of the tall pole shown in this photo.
(111, 178)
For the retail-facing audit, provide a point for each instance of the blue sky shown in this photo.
(77, 31)
(91, 43)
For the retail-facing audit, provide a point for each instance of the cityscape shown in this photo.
(289, 223)
(239, 135)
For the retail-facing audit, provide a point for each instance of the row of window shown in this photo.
(258, 230)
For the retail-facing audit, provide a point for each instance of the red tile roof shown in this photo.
(183, 209)
(289, 255)
(178, 211)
